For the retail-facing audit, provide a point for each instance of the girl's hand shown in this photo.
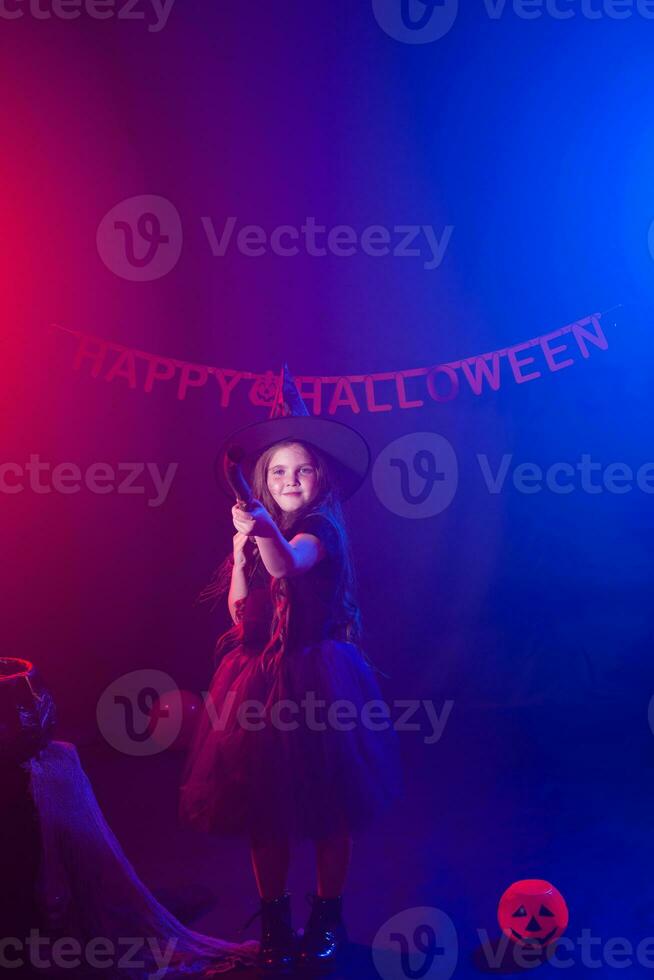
(256, 522)
(239, 549)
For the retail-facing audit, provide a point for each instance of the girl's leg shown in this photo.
(325, 936)
(333, 860)
(270, 862)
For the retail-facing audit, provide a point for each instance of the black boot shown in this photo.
(325, 939)
(277, 950)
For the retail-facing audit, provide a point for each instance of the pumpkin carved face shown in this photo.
(264, 389)
(532, 913)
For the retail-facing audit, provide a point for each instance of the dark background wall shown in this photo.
(530, 137)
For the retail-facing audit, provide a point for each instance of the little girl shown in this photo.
(290, 746)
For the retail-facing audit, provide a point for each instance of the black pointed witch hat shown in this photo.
(346, 451)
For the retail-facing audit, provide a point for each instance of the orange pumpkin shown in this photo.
(532, 913)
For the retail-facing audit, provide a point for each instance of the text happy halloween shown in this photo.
(381, 392)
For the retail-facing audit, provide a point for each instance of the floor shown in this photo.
(504, 795)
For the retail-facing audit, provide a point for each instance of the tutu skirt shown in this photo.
(304, 749)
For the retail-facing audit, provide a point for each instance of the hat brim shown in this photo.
(347, 452)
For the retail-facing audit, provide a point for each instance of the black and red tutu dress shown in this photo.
(294, 749)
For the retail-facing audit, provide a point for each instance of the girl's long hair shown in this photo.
(345, 623)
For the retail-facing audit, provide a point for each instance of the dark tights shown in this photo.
(271, 859)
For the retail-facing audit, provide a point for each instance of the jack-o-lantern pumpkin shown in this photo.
(264, 389)
(532, 913)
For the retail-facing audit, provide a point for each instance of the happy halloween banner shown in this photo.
(380, 392)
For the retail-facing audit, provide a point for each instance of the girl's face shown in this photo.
(291, 477)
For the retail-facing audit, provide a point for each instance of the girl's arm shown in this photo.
(280, 557)
(238, 588)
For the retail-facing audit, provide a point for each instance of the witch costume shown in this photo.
(288, 745)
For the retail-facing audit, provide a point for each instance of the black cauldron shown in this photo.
(27, 718)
